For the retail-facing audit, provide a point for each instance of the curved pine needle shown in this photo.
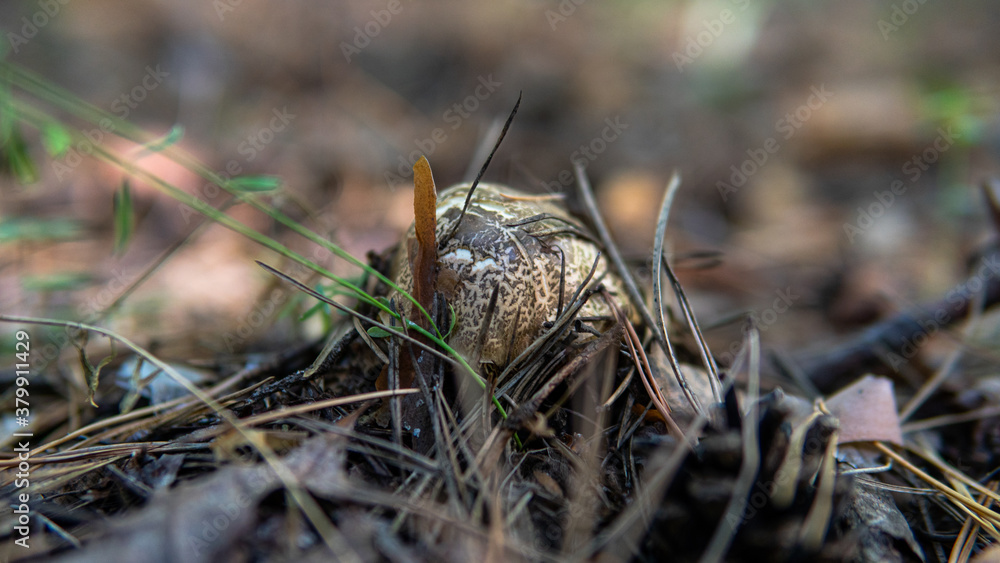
(661, 324)
(590, 204)
(309, 507)
(468, 197)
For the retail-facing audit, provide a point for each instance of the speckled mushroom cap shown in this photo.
(494, 246)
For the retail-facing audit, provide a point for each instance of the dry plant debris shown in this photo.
(505, 392)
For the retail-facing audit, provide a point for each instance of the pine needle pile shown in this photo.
(498, 387)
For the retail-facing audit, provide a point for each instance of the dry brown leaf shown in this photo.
(424, 260)
(867, 411)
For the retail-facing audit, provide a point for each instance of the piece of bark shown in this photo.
(880, 531)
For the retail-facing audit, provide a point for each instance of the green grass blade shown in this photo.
(254, 183)
(17, 160)
(59, 281)
(124, 217)
(56, 139)
(378, 332)
(170, 139)
(36, 229)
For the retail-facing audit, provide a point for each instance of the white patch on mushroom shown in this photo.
(497, 208)
(483, 264)
(458, 255)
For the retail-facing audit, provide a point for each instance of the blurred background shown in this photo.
(831, 152)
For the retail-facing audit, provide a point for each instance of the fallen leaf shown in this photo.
(867, 412)
(424, 262)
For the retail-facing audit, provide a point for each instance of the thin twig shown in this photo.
(661, 324)
(590, 204)
(468, 198)
(932, 384)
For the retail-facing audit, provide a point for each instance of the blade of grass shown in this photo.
(112, 124)
(38, 229)
(18, 161)
(453, 356)
(124, 217)
(254, 183)
(468, 197)
(172, 137)
(56, 140)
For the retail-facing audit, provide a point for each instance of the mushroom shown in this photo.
(517, 246)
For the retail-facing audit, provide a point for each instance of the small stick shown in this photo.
(468, 198)
(587, 195)
(648, 381)
(870, 348)
(661, 325)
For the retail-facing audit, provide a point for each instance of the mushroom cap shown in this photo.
(515, 242)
